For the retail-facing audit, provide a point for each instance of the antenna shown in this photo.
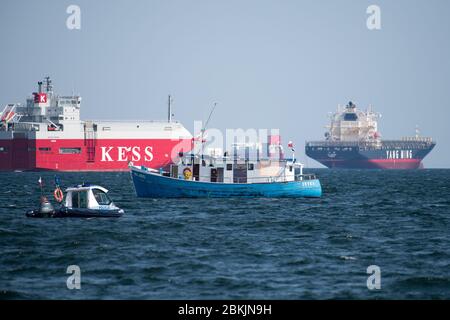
(169, 115)
(209, 117)
(206, 125)
(48, 84)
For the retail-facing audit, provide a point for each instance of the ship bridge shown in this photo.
(351, 124)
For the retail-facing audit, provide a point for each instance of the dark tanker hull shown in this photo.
(361, 155)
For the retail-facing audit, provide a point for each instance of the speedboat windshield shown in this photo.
(101, 197)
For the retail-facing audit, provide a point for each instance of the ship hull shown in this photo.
(77, 155)
(371, 164)
(390, 155)
(153, 185)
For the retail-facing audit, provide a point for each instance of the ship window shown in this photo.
(251, 166)
(229, 166)
(45, 149)
(106, 129)
(69, 150)
(350, 117)
(101, 197)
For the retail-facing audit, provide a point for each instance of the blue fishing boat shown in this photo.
(197, 176)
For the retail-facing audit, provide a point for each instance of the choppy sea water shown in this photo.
(234, 248)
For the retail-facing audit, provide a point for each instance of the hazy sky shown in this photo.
(269, 64)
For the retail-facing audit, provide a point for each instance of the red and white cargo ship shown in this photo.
(47, 134)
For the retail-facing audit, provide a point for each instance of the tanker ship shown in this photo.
(353, 141)
(47, 134)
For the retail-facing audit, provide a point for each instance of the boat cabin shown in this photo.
(233, 170)
(88, 197)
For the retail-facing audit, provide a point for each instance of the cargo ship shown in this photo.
(353, 141)
(47, 134)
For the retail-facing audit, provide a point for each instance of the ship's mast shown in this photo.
(169, 115)
(48, 84)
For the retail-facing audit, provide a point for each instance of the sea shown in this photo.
(373, 235)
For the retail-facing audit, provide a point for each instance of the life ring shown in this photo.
(187, 174)
(58, 194)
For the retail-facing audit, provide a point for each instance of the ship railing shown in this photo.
(336, 143)
(420, 139)
(265, 179)
(370, 144)
(305, 177)
(133, 121)
(20, 126)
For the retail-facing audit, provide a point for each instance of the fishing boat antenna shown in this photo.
(209, 117)
(169, 115)
(206, 124)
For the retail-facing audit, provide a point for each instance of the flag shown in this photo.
(57, 181)
(291, 146)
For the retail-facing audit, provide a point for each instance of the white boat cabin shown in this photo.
(227, 170)
(88, 197)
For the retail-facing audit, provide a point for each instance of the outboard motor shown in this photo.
(46, 208)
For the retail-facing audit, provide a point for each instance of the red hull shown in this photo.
(104, 155)
(373, 164)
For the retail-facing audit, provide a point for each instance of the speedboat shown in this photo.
(82, 201)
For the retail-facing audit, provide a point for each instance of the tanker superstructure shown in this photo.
(353, 141)
(47, 134)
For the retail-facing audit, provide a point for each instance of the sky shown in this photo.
(269, 64)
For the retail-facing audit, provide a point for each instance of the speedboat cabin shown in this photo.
(87, 197)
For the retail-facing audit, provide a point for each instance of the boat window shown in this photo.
(229, 166)
(74, 199)
(240, 173)
(101, 197)
(79, 199)
(83, 199)
(251, 166)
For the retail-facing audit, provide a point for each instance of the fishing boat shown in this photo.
(82, 201)
(198, 176)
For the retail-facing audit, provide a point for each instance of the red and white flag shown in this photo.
(291, 146)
